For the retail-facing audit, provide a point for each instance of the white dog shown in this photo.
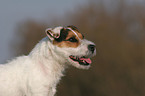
(38, 73)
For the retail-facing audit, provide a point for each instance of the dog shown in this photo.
(38, 73)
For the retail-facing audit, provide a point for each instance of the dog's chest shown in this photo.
(52, 73)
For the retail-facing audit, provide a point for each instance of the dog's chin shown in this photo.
(80, 62)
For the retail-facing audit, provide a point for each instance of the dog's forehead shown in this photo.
(74, 33)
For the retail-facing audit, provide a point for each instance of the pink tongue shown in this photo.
(88, 60)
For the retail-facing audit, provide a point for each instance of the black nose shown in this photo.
(91, 47)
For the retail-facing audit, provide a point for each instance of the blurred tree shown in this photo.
(118, 69)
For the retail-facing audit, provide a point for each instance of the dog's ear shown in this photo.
(51, 34)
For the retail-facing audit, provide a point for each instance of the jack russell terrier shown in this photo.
(38, 73)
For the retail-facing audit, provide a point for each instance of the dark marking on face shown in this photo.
(72, 39)
(63, 35)
(83, 36)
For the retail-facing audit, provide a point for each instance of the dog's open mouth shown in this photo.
(81, 60)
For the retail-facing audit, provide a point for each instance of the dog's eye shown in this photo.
(73, 39)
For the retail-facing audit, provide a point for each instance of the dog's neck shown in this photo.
(43, 53)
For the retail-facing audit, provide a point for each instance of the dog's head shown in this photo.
(70, 44)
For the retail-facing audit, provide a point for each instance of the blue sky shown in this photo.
(14, 11)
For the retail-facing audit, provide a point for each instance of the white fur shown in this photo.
(38, 73)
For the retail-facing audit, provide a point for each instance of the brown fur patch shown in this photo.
(67, 43)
